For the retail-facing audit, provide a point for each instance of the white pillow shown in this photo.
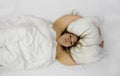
(87, 49)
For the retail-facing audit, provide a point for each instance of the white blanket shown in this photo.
(26, 42)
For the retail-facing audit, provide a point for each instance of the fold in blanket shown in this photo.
(23, 42)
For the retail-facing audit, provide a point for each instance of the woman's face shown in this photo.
(67, 40)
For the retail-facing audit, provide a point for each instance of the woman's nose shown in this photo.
(68, 39)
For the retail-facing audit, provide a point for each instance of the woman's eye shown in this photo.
(70, 39)
(70, 36)
(71, 42)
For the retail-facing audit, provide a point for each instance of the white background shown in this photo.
(53, 9)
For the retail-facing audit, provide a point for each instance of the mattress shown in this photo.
(53, 9)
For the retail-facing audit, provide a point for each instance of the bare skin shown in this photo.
(67, 39)
(60, 25)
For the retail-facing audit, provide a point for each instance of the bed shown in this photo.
(53, 9)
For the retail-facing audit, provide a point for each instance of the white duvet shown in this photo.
(26, 42)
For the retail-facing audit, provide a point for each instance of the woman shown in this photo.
(66, 39)
(24, 39)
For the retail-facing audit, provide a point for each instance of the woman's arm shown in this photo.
(62, 23)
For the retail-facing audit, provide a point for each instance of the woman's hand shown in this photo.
(101, 44)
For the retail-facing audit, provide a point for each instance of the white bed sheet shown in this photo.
(51, 10)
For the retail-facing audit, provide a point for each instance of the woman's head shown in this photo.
(68, 39)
